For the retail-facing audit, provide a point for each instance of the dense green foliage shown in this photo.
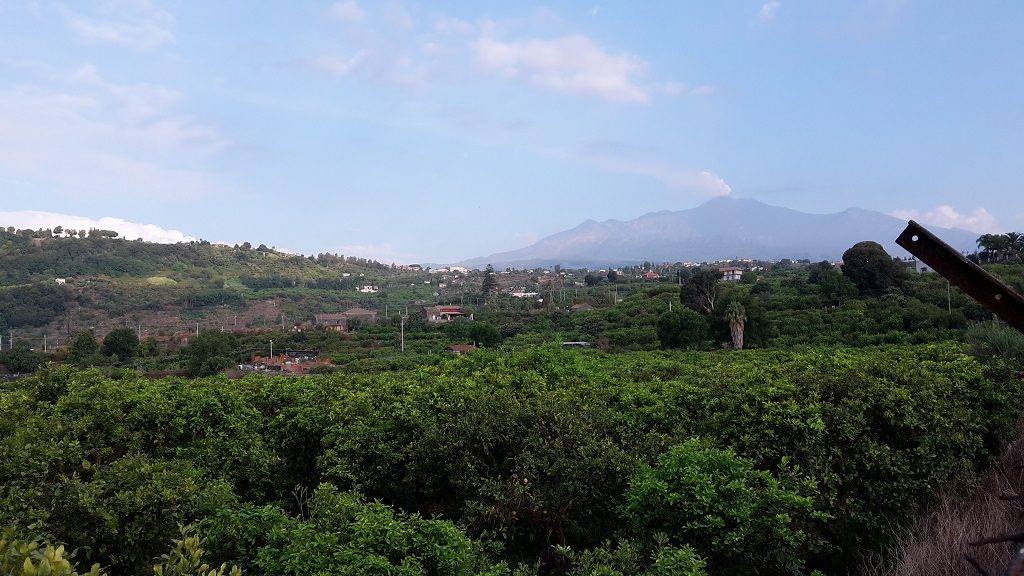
(210, 352)
(20, 358)
(31, 305)
(740, 518)
(871, 269)
(122, 343)
(683, 328)
(561, 461)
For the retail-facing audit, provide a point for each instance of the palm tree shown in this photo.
(1015, 240)
(993, 246)
(737, 317)
(984, 243)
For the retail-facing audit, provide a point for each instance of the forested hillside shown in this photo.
(63, 285)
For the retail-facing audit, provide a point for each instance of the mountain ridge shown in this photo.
(723, 227)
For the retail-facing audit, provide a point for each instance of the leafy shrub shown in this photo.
(683, 328)
(345, 535)
(741, 519)
(186, 558)
(992, 339)
(127, 512)
(627, 559)
(19, 557)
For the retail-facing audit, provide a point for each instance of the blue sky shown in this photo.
(437, 131)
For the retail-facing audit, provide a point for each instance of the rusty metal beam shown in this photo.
(977, 282)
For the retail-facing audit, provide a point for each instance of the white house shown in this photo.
(731, 273)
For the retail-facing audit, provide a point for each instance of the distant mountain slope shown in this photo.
(724, 227)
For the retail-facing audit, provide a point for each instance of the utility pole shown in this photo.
(403, 333)
(271, 348)
(44, 343)
(197, 329)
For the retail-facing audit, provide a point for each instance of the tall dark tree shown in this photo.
(871, 269)
(83, 348)
(210, 352)
(122, 343)
(490, 283)
(815, 272)
(701, 292)
(835, 287)
(21, 358)
(682, 328)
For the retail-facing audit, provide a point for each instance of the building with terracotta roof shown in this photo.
(460, 349)
(441, 314)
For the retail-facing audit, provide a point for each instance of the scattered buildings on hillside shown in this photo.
(441, 314)
(288, 362)
(341, 321)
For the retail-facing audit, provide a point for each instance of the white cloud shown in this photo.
(449, 25)
(767, 12)
(700, 181)
(398, 17)
(133, 23)
(86, 135)
(130, 230)
(348, 11)
(979, 220)
(570, 64)
(338, 66)
(672, 88)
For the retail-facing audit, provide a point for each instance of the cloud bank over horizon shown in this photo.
(978, 220)
(34, 220)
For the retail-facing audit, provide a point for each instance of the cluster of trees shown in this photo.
(1000, 247)
(119, 346)
(542, 461)
(20, 358)
(716, 311)
(60, 230)
(340, 260)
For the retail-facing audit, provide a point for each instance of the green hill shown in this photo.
(62, 285)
